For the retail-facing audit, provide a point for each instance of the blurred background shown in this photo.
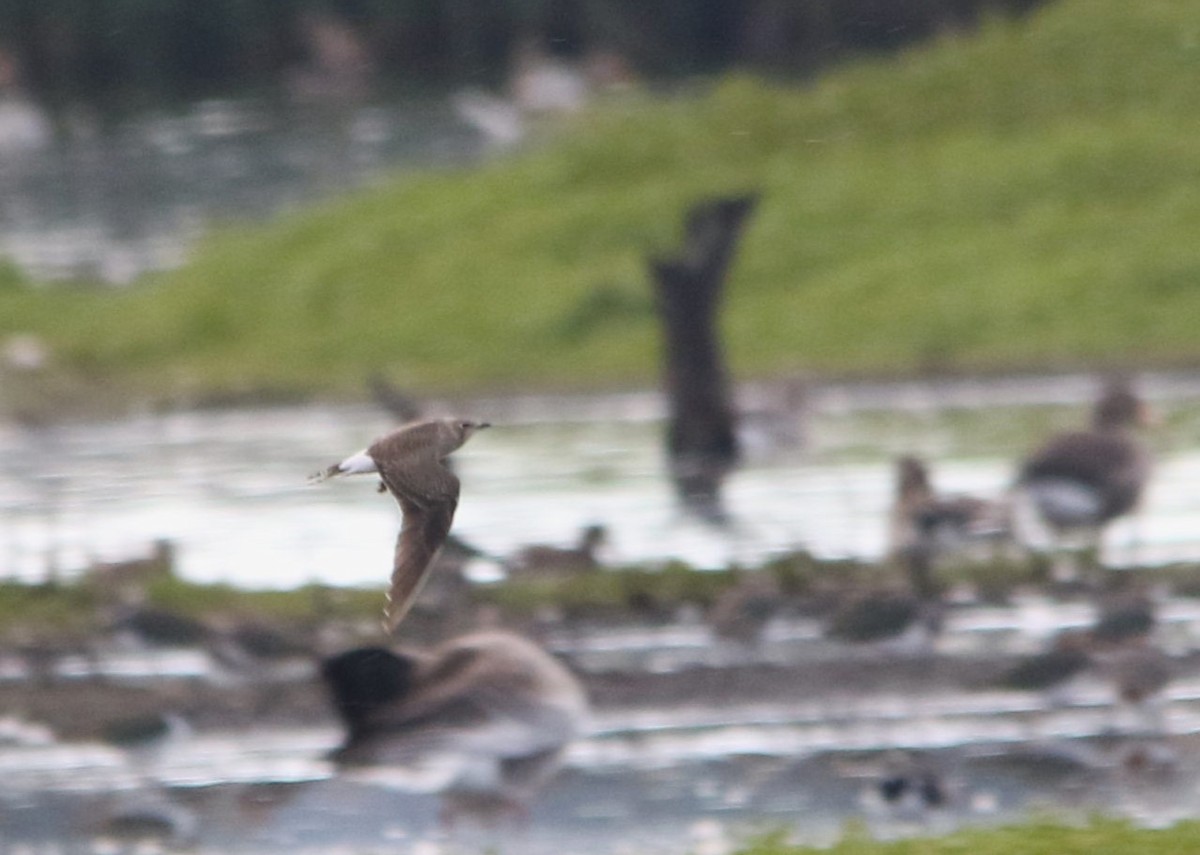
(841, 363)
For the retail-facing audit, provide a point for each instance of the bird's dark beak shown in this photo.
(483, 425)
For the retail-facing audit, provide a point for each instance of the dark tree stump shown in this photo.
(701, 440)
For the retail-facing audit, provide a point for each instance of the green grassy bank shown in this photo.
(1018, 199)
(1098, 838)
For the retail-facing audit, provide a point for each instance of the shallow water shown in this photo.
(228, 487)
(655, 774)
(109, 198)
(644, 781)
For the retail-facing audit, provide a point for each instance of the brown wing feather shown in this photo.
(421, 536)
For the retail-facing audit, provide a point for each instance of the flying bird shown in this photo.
(411, 466)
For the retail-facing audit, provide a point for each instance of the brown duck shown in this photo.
(1079, 481)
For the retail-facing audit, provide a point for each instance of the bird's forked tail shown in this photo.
(325, 474)
(352, 465)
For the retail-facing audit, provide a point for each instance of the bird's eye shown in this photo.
(466, 425)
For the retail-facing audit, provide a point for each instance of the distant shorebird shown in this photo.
(540, 559)
(913, 779)
(1080, 481)
(1126, 616)
(1139, 673)
(926, 525)
(410, 464)
(1049, 670)
(882, 615)
(742, 611)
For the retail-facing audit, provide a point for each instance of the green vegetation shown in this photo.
(623, 593)
(1019, 199)
(80, 608)
(1100, 837)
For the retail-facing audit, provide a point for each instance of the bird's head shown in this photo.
(460, 430)
(1120, 407)
(366, 678)
(912, 478)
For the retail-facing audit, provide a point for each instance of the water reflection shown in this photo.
(113, 198)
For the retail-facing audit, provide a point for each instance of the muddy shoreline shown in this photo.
(78, 708)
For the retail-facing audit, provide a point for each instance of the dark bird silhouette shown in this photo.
(493, 698)
(410, 464)
(1068, 656)
(1079, 481)
(881, 615)
(912, 778)
(256, 650)
(153, 627)
(144, 737)
(1124, 617)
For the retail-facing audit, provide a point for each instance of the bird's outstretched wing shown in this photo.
(422, 534)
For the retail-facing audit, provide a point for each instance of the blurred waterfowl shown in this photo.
(256, 649)
(502, 705)
(742, 611)
(404, 408)
(545, 559)
(774, 420)
(882, 615)
(913, 608)
(410, 464)
(1124, 617)
(1080, 481)
(926, 526)
(1139, 673)
(143, 737)
(1068, 656)
(127, 579)
(143, 628)
(912, 780)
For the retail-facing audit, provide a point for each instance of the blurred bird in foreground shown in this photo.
(500, 705)
(1080, 481)
(410, 464)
